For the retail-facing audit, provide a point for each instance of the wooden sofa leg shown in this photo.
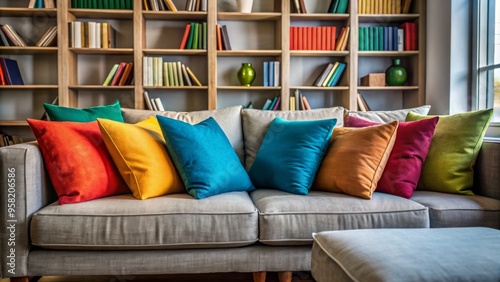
(19, 279)
(285, 276)
(259, 276)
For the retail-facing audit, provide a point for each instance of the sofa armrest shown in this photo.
(486, 171)
(25, 188)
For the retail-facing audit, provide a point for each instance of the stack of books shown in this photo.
(196, 5)
(330, 75)
(49, 38)
(91, 35)
(103, 4)
(384, 6)
(9, 72)
(7, 140)
(10, 37)
(120, 74)
(298, 102)
(312, 37)
(159, 73)
(223, 42)
(48, 4)
(159, 5)
(195, 36)
(153, 104)
(271, 73)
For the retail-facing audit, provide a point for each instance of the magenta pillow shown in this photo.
(404, 166)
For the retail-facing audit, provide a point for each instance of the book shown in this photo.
(267, 104)
(297, 6)
(323, 74)
(292, 103)
(333, 6)
(147, 100)
(2, 77)
(345, 39)
(193, 77)
(362, 106)
(306, 103)
(219, 38)
(328, 78)
(341, 7)
(277, 105)
(11, 72)
(276, 73)
(273, 103)
(271, 73)
(406, 6)
(107, 81)
(302, 6)
(185, 37)
(401, 35)
(171, 5)
(297, 99)
(225, 38)
(118, 74)
(159, 104)
(179, 73)
(266, 73)
(186, 75)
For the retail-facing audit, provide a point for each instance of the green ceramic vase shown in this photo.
(246, 74)
(395, 75)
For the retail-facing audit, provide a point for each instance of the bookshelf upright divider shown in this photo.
(139, 45)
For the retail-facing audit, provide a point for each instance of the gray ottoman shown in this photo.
(437, 254)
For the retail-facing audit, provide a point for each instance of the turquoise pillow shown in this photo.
(202, 154)
(291, 154)
(59, 113)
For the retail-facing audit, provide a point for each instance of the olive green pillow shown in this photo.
(59, 113)
(449, 166)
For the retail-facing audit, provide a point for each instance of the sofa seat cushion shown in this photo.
(170, 221)
(453, 210)
(289, 219)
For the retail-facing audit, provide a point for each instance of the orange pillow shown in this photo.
(77, 160)
(355, 160)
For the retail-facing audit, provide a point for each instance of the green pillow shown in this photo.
(59, 113)
(453, 152)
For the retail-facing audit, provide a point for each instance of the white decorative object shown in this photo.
(244, 6)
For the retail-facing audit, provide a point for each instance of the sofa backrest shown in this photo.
(256, 122)
(229, 119)
(487, 170)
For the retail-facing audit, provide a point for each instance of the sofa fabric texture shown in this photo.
(390, 255)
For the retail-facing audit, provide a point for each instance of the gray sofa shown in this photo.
(265, 230)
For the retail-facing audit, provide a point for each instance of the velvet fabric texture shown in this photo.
(404, 166)
(59, 113)
(355, 159)
(77, 160)
(140, 153)
(290, 154)
(449, 166)
(202, 154)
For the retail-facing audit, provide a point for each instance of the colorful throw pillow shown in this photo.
(355, 159)
(403, 168)
(202, 154)
(59, 113)
(140, 153)
(449, 166)
(77, 160)
(290, 154)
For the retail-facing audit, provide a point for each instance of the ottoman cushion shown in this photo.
(438, 254)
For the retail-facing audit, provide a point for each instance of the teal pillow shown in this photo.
(449, 166)
(202, 154)
(59, 113)
(291, 154)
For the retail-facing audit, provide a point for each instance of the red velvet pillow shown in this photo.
(404, 166)
(77, 160)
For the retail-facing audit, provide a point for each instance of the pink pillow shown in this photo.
(77, 160)
(404, 166)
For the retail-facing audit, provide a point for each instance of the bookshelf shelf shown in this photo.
(27, 12)
(102, 14)
(232, 16)
(248, 53)
(388, 88)
(387, 18)
(319, 17)
(251, 88)
(28, 87)
(315, 88)
(14, 50)
(169, 15)
(318, 53)
(176, 87)
(13, 123)
(103, 51)
(195, 52)
(387, 53)
(100, 87)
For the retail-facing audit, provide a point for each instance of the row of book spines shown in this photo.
(153, 104)
(9, 72)
(120, 74)
(223, 42)
(195, 36)
(336, 6)
(196, 5)
(159, 5)
(312, 38)
(384, 6)
(159, 73)
(9, 37)
(103, 4)
(271, 73)
(8, 140)
(48, 4)
(380, 38)
(330, 75)
(298, 102)
(91, 35)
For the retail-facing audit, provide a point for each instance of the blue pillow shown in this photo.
(291, 154)
(202, 154)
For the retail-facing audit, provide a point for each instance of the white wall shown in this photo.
(448, 56)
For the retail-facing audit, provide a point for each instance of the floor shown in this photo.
(223, 277)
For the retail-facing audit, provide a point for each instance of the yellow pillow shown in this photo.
(140, 153)
(356, 159)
